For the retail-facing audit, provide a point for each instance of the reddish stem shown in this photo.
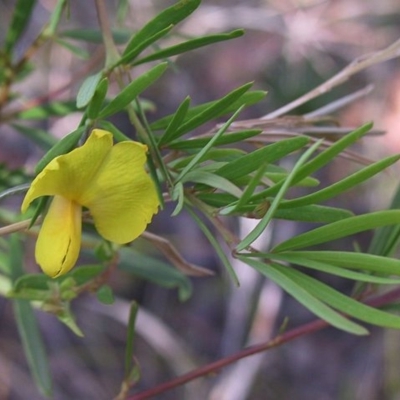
(295, 333)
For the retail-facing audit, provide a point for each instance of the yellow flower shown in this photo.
(109, 180)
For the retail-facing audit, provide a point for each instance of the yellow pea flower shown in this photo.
(109, 180)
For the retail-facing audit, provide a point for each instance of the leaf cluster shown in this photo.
(228, 172)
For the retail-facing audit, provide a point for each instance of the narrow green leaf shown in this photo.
(120, 36)
(28, 328)
(170, 16)
(209, 145)
(366, 262)
(303, 296)
(386, 239)
(155, 271)
(343, 185)
(53, 109)
(298, 258)
(313, 213)
(130, 338)
(278, 176)
(247, 99)
(65, 145)
(211, 112)
(76, 50)
(98, 98)
(20, 19)
(84, 273)
(190, 45)
(40, 137)
(128, 57)
(319, 161)
(55, 17)
(244, 199)
(268, 154)
(339, 229)
(122, 11)
(229, 138)
(118, 135)
(266, 219)
(217, 247)
(175, 122)
(343, 303)
(214, 181)
(88, 89)
(129, 93)
(178, 195)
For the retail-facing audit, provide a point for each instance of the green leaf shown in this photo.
(247, 99)
(154, 271)
(343, 303)
(120, 36)
(268, 154)
(129, 93)
(85, 273)
(266, 219)
(65, 145)
(22, 14)
(53, 109)
(128, 57)
(190, 45)
(339, 229)
(55, 17)
(31, 281)
(67, 318)
(214, 181)
(118, 135)
(105, 295)
(88, 89)
(320, 160)
(33, 345)
(244, 199)
(303, 296)
(40, 137)
(217, 247)
(228, 138)
(178, 195)
(365, 262)
(28, 327)
(217, 156)
(175, 122)
(386, 239)
(170, 16)
(77, 51)
(298, 258)
(343, 185)
(130, 339)
(98, 98)
(211, 112)
(313, 213)
(209, 145)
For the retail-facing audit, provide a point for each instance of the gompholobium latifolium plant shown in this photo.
(96, 190)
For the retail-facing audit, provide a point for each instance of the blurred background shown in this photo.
(289, 48)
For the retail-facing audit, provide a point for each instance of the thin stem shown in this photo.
(279, 340)
(112, 54)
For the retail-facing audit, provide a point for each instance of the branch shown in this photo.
(279, 340)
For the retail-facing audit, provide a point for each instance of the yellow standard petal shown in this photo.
(58, 244)
(68, 175)
(122, 198)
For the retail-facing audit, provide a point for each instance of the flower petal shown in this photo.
(69, 174)
(58, 244)
(122, 199)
